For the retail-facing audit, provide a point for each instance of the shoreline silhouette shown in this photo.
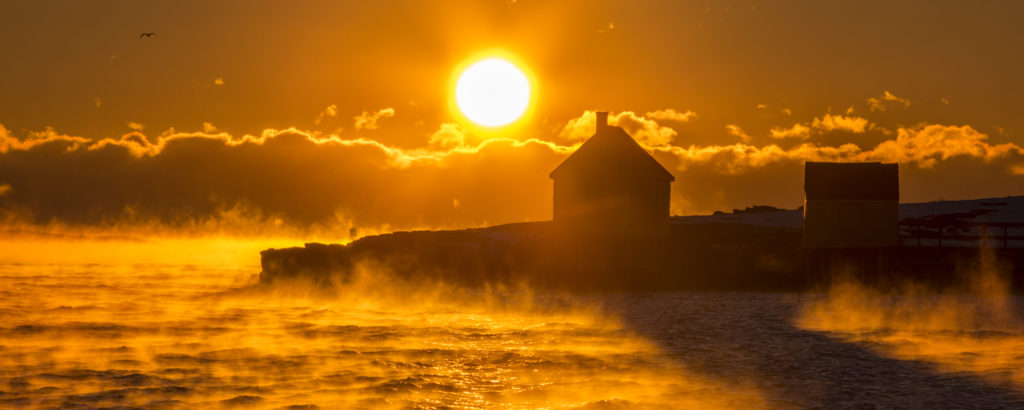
(740, 251)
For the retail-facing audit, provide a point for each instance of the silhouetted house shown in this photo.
(611, 185)
(851, 205)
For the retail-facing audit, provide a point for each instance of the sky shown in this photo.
(324, 116)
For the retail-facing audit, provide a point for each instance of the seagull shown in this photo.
(149, 34)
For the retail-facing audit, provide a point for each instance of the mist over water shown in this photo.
(976, 327)
(193, 329)
(187, 335)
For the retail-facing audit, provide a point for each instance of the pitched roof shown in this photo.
(851, 181)
(610, 149)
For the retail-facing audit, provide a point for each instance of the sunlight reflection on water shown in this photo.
(186, 335)
(198, 332)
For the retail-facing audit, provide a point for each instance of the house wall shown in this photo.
(850, 223)
(620, 204)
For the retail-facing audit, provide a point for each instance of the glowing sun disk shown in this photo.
(492, 92)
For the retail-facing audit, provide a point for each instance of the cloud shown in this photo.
(330, 111)
(880, 103)
(368, 120)
(796, 131)
(926, 145)
(448, 136)
(787, 111)
(4, 189)
(9, 143)
(97, 101)
(824, 124)
(829, 122)
(301, 177)
(671, 115)
(606, 29)
(578, 129)
(735, 130)
(645, 129)
(306, 178)
(741, 157)
(218, 81)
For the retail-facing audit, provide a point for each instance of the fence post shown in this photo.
(1006, 235)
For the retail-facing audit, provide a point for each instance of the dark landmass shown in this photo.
(727, 253)
(690, 256)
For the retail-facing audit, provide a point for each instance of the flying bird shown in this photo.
(149, 34)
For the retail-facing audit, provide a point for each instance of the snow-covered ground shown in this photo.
(1008, 209)
(783, 218)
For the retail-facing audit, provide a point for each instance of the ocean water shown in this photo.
(206, 335)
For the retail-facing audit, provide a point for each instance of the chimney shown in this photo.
(602, 120)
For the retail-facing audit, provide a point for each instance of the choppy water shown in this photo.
(193, 335)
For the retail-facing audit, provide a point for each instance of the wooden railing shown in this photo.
(1001, 234)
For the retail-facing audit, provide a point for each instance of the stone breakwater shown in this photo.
(712, 256)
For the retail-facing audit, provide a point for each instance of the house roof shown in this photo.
(851, 181)
(612, 149)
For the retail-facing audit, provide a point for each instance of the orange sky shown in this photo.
(249, 111)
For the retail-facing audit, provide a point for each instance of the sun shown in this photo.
(492, 92)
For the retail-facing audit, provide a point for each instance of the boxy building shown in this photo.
(611, 185)
(851, 205)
